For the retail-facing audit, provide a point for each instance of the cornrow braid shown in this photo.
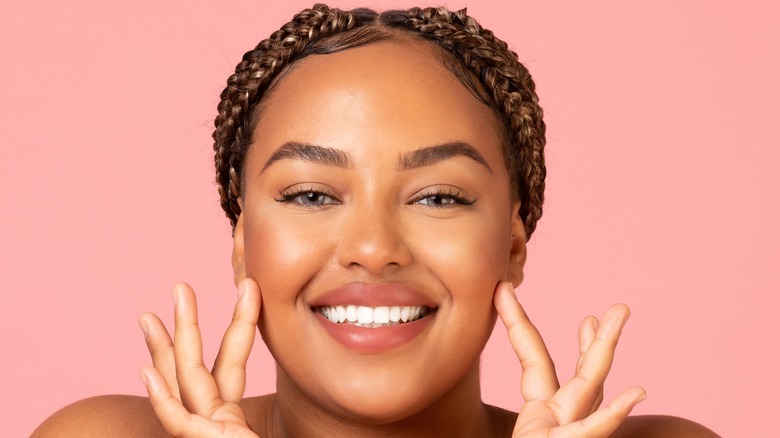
(510, 86)
(252, 78)
(502, 83)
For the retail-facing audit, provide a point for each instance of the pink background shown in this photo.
(663, 193)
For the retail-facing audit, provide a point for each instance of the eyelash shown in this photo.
(289, 196)
(453, 197)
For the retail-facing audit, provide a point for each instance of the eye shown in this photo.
(308, 198)
(437, 201)
(438, 198)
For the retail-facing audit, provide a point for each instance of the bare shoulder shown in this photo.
(129, 416)
(642, 426)
(102, 416)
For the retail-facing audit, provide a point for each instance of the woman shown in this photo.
(381, 196)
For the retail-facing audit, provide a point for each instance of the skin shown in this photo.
(309, 226)
(377, 227)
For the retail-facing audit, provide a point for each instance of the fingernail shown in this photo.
(641, 398)
(175, 296)
(142, 375)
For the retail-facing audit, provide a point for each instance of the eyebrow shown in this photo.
(312, 153)
(433, 154)
(426, 156)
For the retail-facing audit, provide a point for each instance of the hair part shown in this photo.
(479, 60)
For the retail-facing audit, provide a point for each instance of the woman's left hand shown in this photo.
(574, 409)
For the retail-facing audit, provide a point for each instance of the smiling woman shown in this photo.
(393, 226)
(383, 173)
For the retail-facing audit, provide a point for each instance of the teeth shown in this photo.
(365, 315)
(342, 312)
(395, 314)
(332, 314)
(351, 313)
(381, 316)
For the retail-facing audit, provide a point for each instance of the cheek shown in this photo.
(279, 256)
(469, 256)
(282, 259)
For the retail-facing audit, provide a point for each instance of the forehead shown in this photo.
(395, 94)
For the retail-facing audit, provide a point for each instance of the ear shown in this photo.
(517, 249)
(239, 263)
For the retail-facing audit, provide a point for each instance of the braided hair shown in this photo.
(482, 62)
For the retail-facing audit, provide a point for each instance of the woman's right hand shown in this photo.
(190, 400)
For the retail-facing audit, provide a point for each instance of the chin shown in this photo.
(378, 410)
(375, 390)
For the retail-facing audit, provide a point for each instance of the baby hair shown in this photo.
(482, 62)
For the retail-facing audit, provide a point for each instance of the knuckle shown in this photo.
(225, 362)
(586, 376)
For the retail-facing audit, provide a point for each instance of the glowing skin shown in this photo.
(371, 220)
(375, 194)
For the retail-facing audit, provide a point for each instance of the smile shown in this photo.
(373, 317)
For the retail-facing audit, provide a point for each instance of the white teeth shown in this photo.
(332, 314)
(365, 315)
(405, 313)
(352, 313)
(342, 312)
(380, 316)
(395, 314)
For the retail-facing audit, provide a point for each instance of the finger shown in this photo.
(198, 391)
(578, 396)
(606, 420)
(539, 381)
(587, 334)
(176, 420)
(598, 401)
(534, 416)
(230, 366)
(160, 346)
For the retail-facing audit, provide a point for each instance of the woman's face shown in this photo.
(376, 189)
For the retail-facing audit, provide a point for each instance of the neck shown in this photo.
(457, 413)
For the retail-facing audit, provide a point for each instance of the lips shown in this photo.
(373, 295)
(373, 317)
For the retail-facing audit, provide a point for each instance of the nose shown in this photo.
(372, 238)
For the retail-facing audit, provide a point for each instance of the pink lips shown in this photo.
(372, 295)
(379, 339)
